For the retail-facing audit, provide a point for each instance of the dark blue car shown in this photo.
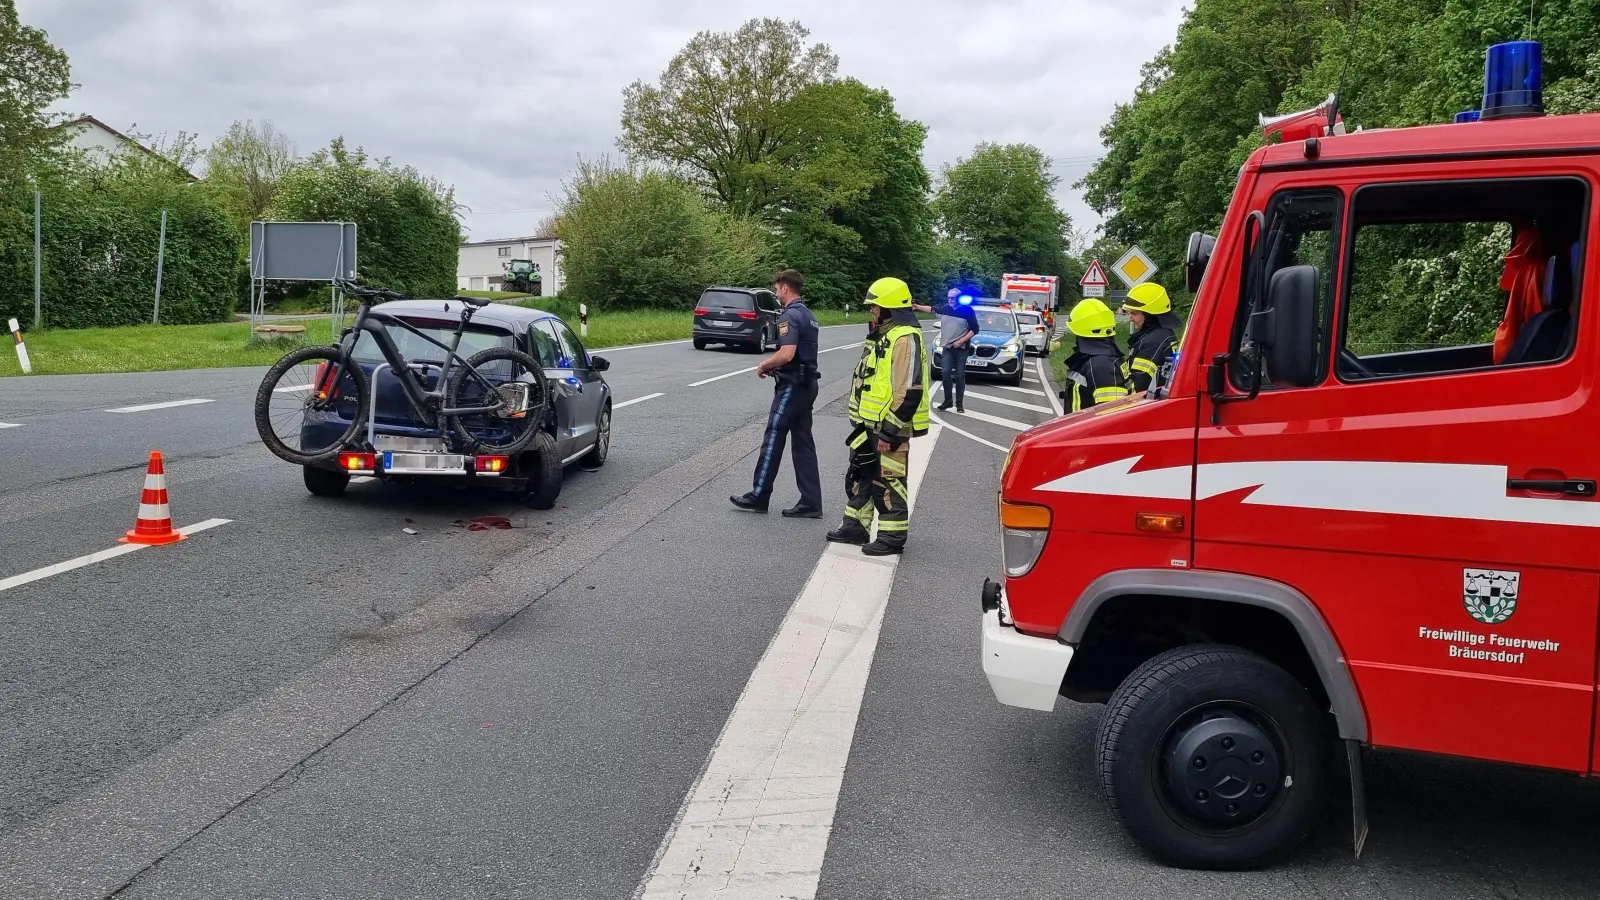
(578, 426)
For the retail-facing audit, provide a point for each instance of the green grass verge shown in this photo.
(150, 348)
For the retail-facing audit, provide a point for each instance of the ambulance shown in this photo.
(1037, 292)
(1306, 531)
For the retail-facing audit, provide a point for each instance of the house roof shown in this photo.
(512, 240)
(91, 120)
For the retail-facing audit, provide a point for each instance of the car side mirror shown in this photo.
(1287, 329)
(599, 363)
(1198, 256)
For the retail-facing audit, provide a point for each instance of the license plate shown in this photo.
(724, 324)
(980, 363)
(424, 463)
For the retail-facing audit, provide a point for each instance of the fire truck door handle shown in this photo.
(1576, 487)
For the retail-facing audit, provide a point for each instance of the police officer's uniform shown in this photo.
(794, 393)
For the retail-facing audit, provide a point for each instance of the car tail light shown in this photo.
(358, 462)
(1024, 528)
(701, 311)
(747, 315)
(493, 465)
(325, 391)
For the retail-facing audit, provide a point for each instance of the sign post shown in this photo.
(161, 265)
(1094, 281)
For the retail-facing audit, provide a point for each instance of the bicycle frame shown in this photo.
(377, 324)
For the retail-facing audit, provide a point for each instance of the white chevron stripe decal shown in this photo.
(1441, 490)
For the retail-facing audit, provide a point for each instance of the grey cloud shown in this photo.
(500, 97)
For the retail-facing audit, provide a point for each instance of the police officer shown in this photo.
(794, 373)
(889, 395)
(1094, 370)
(1155, 334)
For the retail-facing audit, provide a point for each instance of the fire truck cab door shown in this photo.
(1436, 506)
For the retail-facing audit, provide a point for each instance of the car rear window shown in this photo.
(727, 300)
(1027, 318)
(416, 349)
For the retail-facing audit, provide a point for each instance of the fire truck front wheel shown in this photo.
(1211, 756)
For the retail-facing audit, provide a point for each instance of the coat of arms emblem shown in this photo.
(1490, 595)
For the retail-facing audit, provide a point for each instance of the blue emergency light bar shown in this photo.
(1468, 115)
(1513, 81)
(964, 300)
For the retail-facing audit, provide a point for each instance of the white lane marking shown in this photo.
(1044, 379)
(1007, 401)
(4, 425)
(756, 823)
(720, 377)
(840, 347)
(966, 434)
(1018, 390)
(670, 343)
(92, 558)
(291, 390)
(636, 400)
(996, 420)
(149, 406)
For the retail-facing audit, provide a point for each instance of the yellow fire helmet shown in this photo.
(1092, 319)
(1149, 298)
(889, 293)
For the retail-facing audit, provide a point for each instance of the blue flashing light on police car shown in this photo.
(964, 299)
(1513, 81)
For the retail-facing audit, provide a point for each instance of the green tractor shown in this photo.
(522, 277)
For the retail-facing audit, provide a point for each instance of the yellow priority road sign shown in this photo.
(1135, 267)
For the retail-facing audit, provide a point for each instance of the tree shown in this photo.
(248, 163)
(33, 75)
(1001, 202)
(636, 236)
(406, 222)
(724, 106)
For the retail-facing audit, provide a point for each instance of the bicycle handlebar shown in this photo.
(350, 287)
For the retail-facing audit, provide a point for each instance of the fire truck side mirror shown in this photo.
(1287, 330)
(1201, 246)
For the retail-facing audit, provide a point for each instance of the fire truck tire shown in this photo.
(1211, 757)
(542, 465)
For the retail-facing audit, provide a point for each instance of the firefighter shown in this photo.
(1095, 367)
(1155, 334)
(889, 395)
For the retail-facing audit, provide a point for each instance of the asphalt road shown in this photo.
(310, 702)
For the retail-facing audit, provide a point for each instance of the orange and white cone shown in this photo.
(154, 525)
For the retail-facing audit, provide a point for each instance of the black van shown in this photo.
(735, 316)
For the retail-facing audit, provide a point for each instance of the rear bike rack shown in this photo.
(372, 408)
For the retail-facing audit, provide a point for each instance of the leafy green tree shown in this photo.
(406, 222)
(1001, 201)
(247, 163)
(637, 237)
(33, 75)
(724, 105)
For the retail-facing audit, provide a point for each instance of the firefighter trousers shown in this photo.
(875, 486)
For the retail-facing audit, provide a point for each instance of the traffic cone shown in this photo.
(154, 525)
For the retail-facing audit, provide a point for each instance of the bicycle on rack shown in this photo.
(314, 402)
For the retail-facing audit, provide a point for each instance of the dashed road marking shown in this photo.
(637, 400)
(5, 425)
(291, 390)
(150, 406)
(720, 377)
(99, 556)
(756, 823)
(1007, 401)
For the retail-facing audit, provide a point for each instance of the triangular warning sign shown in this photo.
(1095, 277)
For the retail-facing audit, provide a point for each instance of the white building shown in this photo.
(101, 143)
(482, 264)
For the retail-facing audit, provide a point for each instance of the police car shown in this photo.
(998, 348)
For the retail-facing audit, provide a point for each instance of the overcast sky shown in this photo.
(500, 97)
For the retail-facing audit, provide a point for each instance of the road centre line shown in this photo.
(720, 377)
(1007, 401)
(4, 425)
(99, 556)
(150, 406)
(996, 420)
(291, 390)
(636, 400)
(1044, 379)
(671, 343)
(757, 821)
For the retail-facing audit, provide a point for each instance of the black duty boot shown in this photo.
(945, 405)
(749, 503)
(802, 510)
(849, 533)
(879, 548)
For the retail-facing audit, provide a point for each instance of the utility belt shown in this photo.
(797, 374)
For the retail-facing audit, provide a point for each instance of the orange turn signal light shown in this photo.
(493, 464)
(1024, 516)
(358, 462)
(1166, 523)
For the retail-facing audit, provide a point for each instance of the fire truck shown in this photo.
(1302, 532)
(1039, 292)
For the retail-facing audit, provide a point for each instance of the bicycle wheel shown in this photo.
(310, 406)
(515, 382)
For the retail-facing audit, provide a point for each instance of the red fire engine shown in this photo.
(1304, 532)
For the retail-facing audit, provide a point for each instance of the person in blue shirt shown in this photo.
(958, 325)
(794, 372)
